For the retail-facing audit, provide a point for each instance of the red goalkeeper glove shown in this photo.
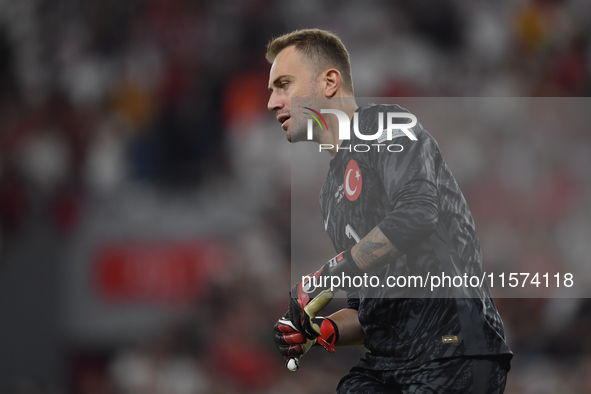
(309, 297)
(292, 344)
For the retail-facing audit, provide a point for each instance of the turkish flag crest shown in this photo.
(352, 181)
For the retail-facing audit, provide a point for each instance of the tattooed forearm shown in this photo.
(374, 251)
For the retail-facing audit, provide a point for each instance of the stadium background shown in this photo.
(145, 197)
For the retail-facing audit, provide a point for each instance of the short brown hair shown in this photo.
(322, 47)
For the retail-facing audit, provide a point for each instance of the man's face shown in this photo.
(291, 76)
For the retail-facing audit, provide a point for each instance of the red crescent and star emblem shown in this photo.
(352, 181)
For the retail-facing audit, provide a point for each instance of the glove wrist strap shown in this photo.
(329, 333)
(343, 264)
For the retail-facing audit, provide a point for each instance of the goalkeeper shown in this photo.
(388, 214)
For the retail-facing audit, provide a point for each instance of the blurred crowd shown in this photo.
(107, 104)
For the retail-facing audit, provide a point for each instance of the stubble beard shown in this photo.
(299, 134)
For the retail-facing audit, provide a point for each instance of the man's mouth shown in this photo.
(283, 120)
(284, 124)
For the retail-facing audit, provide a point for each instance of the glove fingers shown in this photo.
(301, 320)
(296, 314)
(286, 326)
(289, 339)
(290, 351)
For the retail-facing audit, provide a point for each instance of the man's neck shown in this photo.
(333, 138)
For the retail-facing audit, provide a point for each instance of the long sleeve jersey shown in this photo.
(404, 187)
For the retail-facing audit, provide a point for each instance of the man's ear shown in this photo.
(332, 78)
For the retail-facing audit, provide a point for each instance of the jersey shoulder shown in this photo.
(369, 123)
(374, 116)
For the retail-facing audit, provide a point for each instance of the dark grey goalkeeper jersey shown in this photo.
(411, 195)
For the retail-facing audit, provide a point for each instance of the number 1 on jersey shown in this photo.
(351, 233)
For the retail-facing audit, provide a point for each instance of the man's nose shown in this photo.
(274, 103)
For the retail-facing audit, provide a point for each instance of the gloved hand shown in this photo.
(308, 297)
(292, 344)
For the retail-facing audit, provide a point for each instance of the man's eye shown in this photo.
(283, 85)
